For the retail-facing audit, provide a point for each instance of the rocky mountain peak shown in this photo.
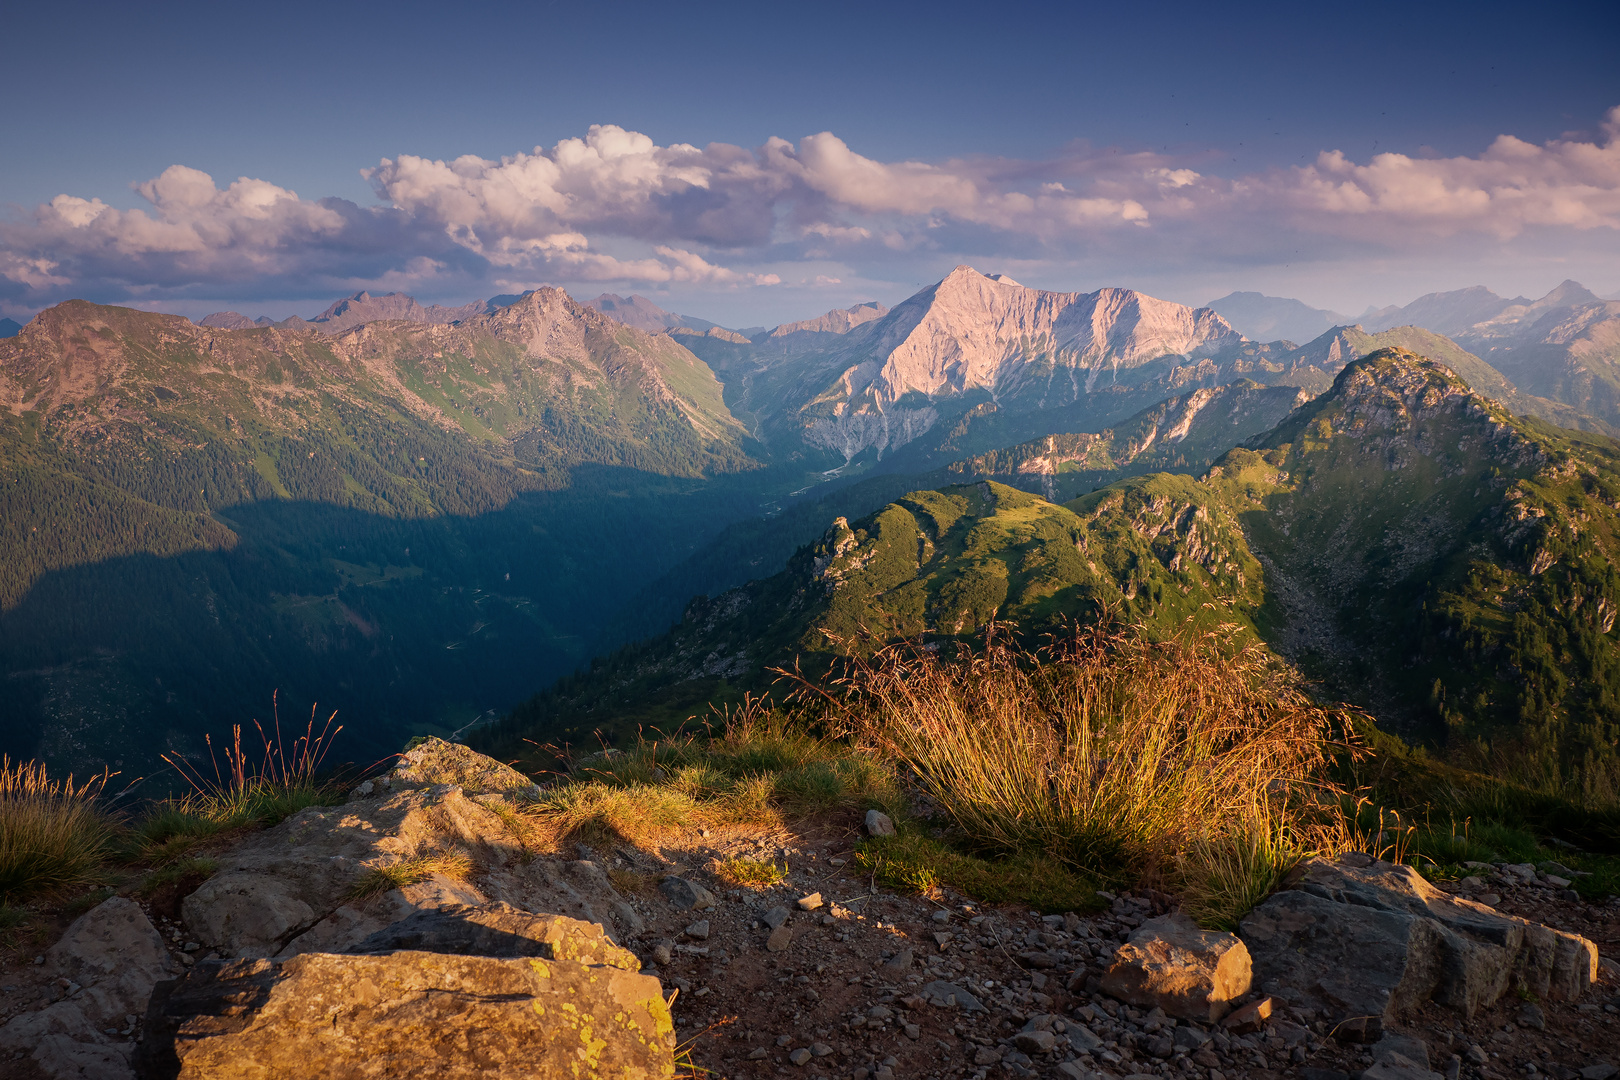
(837, 321)
(227, 320)
(362, 307)
(638, 311)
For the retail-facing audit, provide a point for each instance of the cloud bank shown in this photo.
(615, 208)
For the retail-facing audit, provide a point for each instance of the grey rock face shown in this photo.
(1366, 942)
(945, 995)
(115, 956)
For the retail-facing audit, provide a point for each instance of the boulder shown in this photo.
(114, 956)
(290, 889)
(434, 761)
(500, 930)
(407, 1014)
(1367, 942)
(1189, 972)
(1360, 967)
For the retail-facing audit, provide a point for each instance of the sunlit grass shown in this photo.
(54, 834)
(757, 769)
(1191, 759)
(248, 792)
(376, 880)
(750, 873)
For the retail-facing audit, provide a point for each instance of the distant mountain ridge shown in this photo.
(638, 311)
(9, 328)
(1268, 318)
(359, 309)
(533, 387)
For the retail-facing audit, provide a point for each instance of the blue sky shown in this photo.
(837, 152)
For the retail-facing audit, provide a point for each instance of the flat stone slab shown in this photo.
(322, 1016)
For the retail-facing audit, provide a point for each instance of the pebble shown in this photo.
(779, 940)
(811, 902)
(687, 895)
(699, 930)
(801, 1056)
(879, 824)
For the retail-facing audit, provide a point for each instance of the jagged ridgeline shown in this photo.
(378, 518)
(1426, 553)
(126, 428)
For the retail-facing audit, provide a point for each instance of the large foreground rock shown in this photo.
(1190, 973)
(487, 991)
(111, 957)
(1366, 942)
(410, 1014)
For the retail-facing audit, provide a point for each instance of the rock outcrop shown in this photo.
(297, 887)
(1367, 943)
(106, 966)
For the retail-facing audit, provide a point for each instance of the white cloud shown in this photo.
(1511, 187)
(613, 206)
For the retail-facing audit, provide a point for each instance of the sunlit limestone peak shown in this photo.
(990, 338)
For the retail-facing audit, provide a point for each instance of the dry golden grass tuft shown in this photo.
(376, 880)
(1193, 759)
(54, 835)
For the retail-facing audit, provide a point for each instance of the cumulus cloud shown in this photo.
(615, 207)
(1511, 187)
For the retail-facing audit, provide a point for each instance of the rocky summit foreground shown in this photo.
(286, 963)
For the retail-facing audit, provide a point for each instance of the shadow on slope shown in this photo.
(404, 626)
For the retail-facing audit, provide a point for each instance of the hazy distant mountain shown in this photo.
(9, 328)
(1564, 346)
(228, 320)
(362, 307)
(1448, 313)
(1267, 318)
(839, 321)
(638, 311)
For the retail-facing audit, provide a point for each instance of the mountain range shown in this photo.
(388, 518)
(422, 514)
(1408, 541)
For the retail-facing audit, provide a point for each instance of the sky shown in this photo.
(752, 163)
